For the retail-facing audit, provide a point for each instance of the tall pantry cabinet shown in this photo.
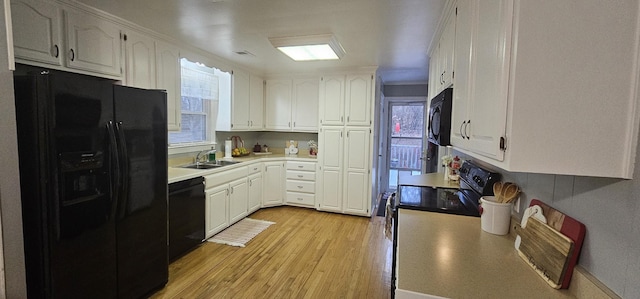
(344, 156)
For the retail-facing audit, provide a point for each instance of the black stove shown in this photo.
(474, 183)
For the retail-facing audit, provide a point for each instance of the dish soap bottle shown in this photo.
(212, 155)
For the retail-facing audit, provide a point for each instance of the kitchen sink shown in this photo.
(201, 166)
(208, 165)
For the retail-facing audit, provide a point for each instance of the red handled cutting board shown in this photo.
(552, 249)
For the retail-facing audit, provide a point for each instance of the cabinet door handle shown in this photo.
(73, 54)
(289, 124)
(57, 53)
(465, 134)
(231, 190)
(466, 131)
(341, 118)
(460, 129)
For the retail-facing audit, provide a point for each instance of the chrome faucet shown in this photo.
(198, 156)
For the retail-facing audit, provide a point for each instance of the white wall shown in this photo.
(12, 245)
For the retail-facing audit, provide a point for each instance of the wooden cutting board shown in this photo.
(546, 250)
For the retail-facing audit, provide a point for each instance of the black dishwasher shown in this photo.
(186, 216)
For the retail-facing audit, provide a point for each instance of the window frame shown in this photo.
(189, 147)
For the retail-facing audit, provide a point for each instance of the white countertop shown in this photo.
(451, 256)
(177, 173)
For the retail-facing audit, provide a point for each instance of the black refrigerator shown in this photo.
(93, 175)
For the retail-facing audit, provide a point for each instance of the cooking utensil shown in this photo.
(509, 193)
(497, 188)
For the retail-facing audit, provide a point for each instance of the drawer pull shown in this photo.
(300, 187)
(300, 176)
(300, 198)
(300, 166)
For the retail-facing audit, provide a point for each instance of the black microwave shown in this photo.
(439, 125)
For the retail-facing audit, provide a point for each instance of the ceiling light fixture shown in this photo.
(309, 47)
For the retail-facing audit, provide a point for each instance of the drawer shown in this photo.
(255, 168)
(301, 198)
(305, 166)
(225, 176)
(301, 186)
(301, 175)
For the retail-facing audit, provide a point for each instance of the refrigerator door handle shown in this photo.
(124, 171)
(115, 168)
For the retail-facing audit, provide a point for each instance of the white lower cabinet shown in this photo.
(344, 173)
(227, 199)
(357, 176)
(255, 192)
(238, 200)
(216, 210)
(301, 183)
(273, 188)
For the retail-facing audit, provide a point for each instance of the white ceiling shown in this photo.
(391, 34)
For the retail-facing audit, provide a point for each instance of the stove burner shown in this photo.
(474, 183)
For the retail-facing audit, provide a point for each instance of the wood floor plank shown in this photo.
(306, 254)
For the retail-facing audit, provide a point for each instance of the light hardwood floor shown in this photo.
(306, 254)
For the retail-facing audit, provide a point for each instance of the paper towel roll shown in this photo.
(227, 148)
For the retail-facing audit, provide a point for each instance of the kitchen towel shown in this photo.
(240, 233)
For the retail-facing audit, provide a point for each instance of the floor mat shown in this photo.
(240, 233)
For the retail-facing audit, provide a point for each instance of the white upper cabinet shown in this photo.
(256, 102)
(37, 31)
(82, 42)
(441, 65)
(140, 60)
(332, 100)
(547, 107)
(245, 111)
(358, 100)
(305, 104)
(278, 104)
(240, 101)
(291, 104)
(93, 44)
(461, 84)
(346, 100)
(481, 84)
(168, 78)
